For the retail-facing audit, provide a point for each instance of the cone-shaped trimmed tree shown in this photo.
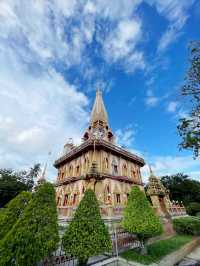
(35, 234)
(87, 234)
(12, 211)
(140, 218)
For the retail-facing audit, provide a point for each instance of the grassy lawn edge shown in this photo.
(157, 250)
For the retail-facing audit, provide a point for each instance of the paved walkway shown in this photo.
(192, 259)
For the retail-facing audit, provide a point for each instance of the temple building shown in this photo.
(97, 163)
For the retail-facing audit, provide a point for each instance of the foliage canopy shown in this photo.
(87, 234)
(139, 217)
(182, 188)
(12, 182)
(189, 127)
(187, 225)
(35, 234)
(12, 211)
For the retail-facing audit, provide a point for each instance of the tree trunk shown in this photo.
(143, 249)
(82, 262)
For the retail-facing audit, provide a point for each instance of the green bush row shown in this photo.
(187, 225)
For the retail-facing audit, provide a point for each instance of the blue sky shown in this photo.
(55, 54)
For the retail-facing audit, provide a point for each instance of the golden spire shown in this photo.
(150, 170)
(99, 111)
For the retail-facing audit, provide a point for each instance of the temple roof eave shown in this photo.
(99, 144)
(101, 176)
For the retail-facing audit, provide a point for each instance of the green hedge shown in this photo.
(187, 225)
(12, 212)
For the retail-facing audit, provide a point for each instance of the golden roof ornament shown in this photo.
(99, 112)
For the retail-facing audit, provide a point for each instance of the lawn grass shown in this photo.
(157, 250)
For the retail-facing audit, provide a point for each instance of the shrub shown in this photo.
(193, 208)
(87, 234)
(12, 211)
(198, 214)
(35, 234)
(187, 225)
(139, 217)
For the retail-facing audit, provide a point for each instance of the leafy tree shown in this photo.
(12, 211)
(87, 234)
(193, 208)
(12, 183)
(139, 218)
(189, 127)
(182, 188)
(35, 234)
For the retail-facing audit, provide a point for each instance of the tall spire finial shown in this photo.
(99, 111)
(150, 169)
(41, 178)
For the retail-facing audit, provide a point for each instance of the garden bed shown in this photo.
(157, 250)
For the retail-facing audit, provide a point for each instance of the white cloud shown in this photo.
(125, 137)
(39, 111)
(120, 45)
(176, 12)
(172, 106)
(168, 165)
(151, 101)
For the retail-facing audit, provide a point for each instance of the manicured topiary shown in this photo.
(12, 211)
(187, 225)
(35, 234)
(139, 217)
(87, 234)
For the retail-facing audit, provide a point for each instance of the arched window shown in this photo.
(118, 199)
(62, 176)
(66, 200)
(77, 169)
(110, 136)
(114, 167)
(58, 201)
(133, 173)
(71, 170)
(107, 194)
(74, 199)
(124, 170)
(84, 164)
(105, 163)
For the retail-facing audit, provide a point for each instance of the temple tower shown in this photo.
(97, 163)
(159, 195)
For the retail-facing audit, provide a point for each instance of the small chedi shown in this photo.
(160, 200)
(98, 163)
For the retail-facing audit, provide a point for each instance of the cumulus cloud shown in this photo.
(120, 44)
(38, 114)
